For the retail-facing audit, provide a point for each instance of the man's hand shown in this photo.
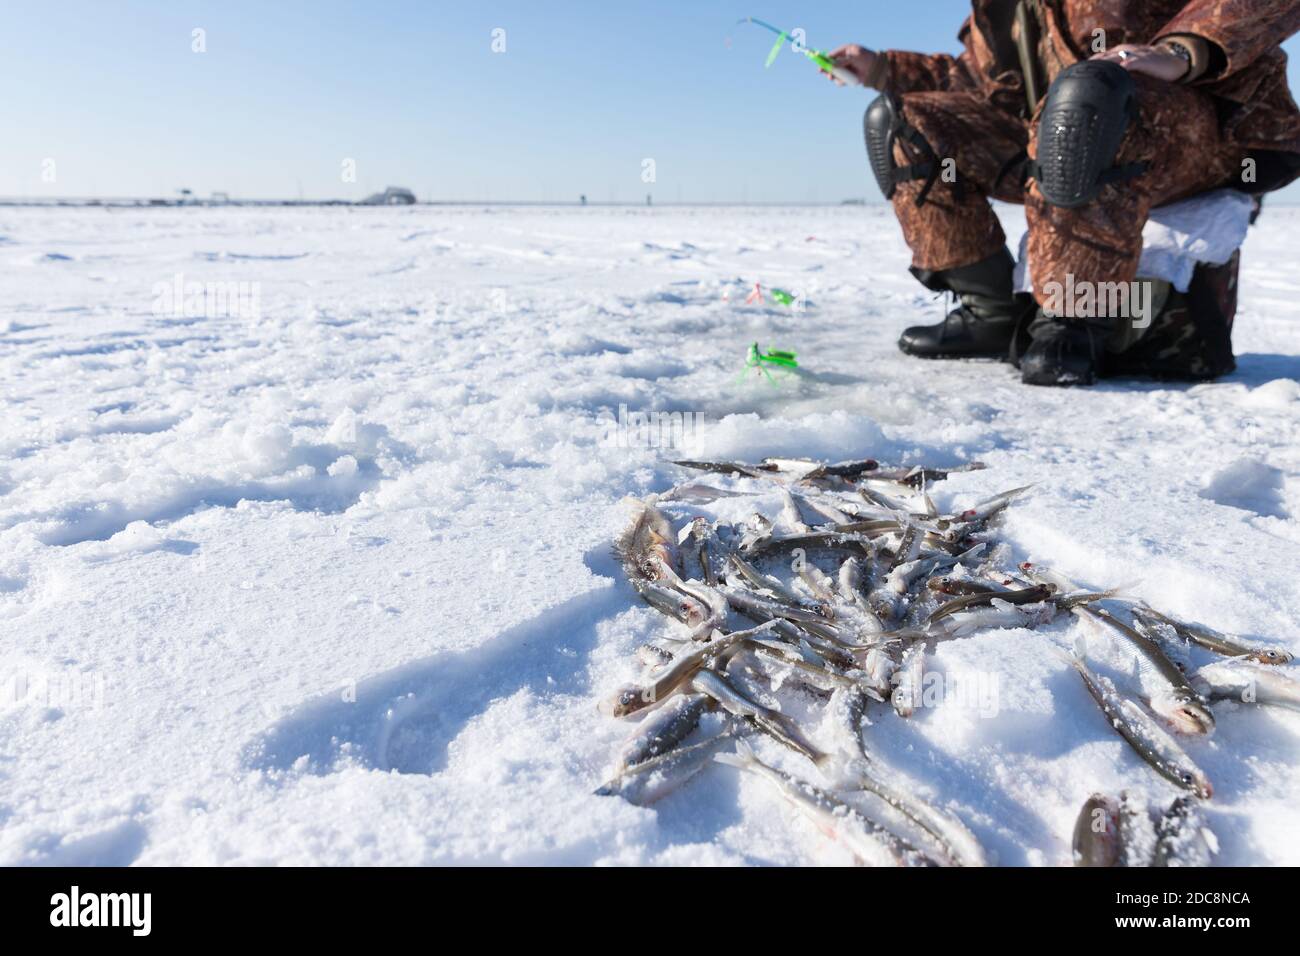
(858, 60)
(1151, 60)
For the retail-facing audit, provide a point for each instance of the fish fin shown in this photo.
(1210, 839)
(742, 758)
(1017, 492)
(1074, 655)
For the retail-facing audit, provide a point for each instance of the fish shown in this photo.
(827, 510)
(690, 547)
(807, 469)
(909, 547)
(1211, 640)
(707, 552)
(633, 698)
(956, 840)
(1031, 595)
(882, 500)
(775, 724)
(1143, 734)
(758, 531)
(764, 582)
(833, 540)
(819, 585)
(799, 468)
(878, 666)
(714, 604)
(1179, 703)
(698, 493)
(871, 527)
(847, 709)
(653, 656)
(647, 546)
(811, 622)
(722, 467)
(869, 842)
(1000, 614)
(1176, 701)
(850, 469)
(907, 680)
(1137, 832)
(790, 514)
(1182, 836)
(919, 477)
(980, 513)
(664, 729)
(670, 601)
(965, 587)
(903, 576)
(857, 771)
(804, 659)
(1096, 839)
(1247, 682)
(649, 780)
(900, 563)
(851, 583)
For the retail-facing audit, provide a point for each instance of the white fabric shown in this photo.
(1205, 228)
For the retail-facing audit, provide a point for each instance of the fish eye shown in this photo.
(1186, 777)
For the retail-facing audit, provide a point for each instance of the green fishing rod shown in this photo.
(821, 58)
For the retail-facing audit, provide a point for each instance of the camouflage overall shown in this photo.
(973, 109)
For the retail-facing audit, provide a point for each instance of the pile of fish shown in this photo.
(829, 603)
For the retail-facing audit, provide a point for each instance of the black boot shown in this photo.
(1063, 351)
(985, 322)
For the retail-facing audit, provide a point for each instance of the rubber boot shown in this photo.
(1063, 351)
(985, 322)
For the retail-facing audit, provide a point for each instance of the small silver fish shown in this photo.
(1137, 832)
(632, 698)
(1096, 832)
(869, 842)
(1244, 681)
(1142, 733)
(908, 680)
(1179, 703)
(1182, 836)
(650, 780)
(775, 724)
(664, 729)
(647, 547)
(1211, 640)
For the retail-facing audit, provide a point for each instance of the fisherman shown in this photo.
(1091, 114)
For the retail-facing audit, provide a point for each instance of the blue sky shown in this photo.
(413, 93)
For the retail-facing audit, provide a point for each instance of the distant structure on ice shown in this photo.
(392, 196)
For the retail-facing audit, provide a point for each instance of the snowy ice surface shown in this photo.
(329, 581)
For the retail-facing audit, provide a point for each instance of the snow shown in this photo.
(325, 578)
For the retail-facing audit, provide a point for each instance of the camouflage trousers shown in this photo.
(1176, 133)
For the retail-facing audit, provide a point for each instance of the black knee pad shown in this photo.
(879, 127)
(882, 126)
(1088, 110)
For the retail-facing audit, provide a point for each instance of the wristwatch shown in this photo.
(1179, 50)
(1192, 51)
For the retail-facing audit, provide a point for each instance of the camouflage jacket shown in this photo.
(1248, 77)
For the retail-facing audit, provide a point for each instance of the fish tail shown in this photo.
(742, 758)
